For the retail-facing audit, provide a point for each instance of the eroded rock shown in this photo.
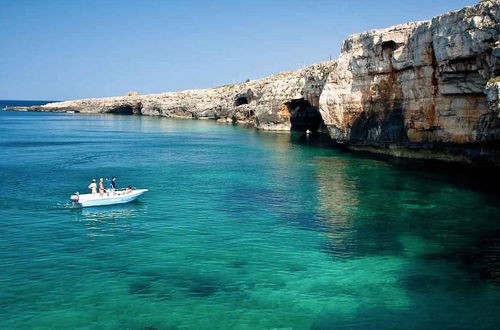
(420, 83)
(255, 101)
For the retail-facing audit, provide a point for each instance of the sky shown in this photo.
(68, 49)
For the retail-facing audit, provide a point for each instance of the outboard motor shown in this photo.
(75, 198)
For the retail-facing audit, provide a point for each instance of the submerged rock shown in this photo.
(140, 288)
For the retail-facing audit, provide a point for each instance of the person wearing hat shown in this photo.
(93, 187)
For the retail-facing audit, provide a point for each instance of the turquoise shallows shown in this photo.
(240, 230)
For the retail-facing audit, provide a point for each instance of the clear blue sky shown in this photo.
(59, 50)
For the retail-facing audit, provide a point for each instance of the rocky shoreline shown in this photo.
(427, 90)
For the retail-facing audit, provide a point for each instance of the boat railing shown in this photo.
(119, 191)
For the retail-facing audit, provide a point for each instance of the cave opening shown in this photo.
(388, 48)
(123, 110)
(390, 44)
(127, 109)
(304, 116)
(240, 101)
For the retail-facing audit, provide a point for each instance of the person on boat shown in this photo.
(93, 187)
(129, 190)
(113, 184)
(109, 186)
(101, 187)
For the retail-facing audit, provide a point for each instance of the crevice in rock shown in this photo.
(389, 47)
(435, 89)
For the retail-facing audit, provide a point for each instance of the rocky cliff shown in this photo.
(277, 102)
(424, 89)
(428, 89)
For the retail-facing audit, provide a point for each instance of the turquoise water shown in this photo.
(240, 230)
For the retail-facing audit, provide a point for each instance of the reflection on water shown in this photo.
(370, 209)
(336, 191)
(125, 211)
(110, 220)
(338, 198)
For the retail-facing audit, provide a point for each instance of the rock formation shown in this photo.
(428, 89)
(419, 85)
(274, 103)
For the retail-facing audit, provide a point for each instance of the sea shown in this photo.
(240, 229)
(21, 103)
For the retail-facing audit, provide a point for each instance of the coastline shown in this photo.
(430, 157)
(406, 91)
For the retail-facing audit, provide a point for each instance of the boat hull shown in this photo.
(89, 200)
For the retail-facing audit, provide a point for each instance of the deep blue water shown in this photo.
(21, 103)
(240, 230)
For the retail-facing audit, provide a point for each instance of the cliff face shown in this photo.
(421, 84)
(277, 102)
(427, 89)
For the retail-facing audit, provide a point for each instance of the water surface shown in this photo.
(240, 230)
(21, 103)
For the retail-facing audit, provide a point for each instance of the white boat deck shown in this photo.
(109, 198)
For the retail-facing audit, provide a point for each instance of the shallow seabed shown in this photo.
(240, 230)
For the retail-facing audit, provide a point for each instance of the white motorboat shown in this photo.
(109, 198)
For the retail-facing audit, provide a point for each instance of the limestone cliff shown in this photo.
(275, 103)
(428, 89)
(421, 85)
